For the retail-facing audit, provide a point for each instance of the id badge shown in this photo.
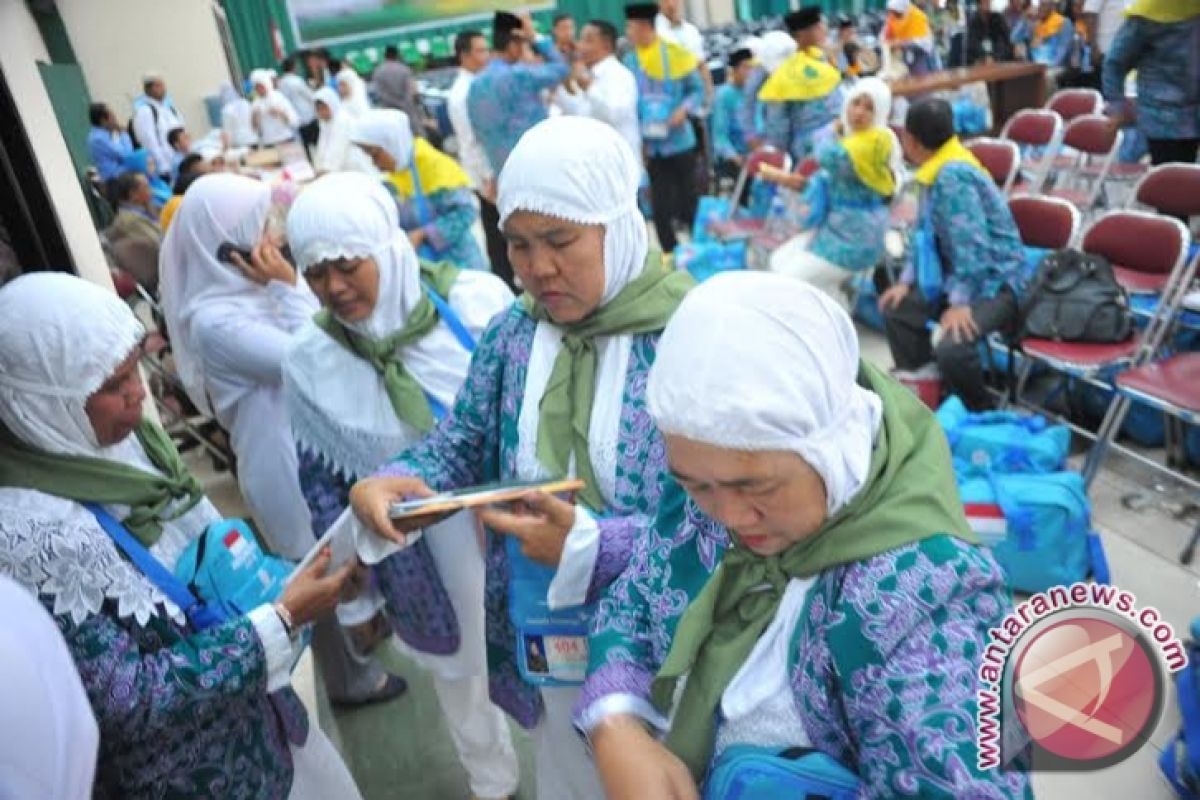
(553, 658)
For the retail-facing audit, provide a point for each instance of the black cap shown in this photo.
(803, 19)
(740, 56)
(845, 22)
(643, 11)
(506, 22)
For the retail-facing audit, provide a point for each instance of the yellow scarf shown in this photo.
(870, 151)
(1048, 28)
(948, 153)
(679, 62)
(436, 170)
(804, 76)
(1166, 11)
(912, 25)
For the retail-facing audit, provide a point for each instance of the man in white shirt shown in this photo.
(154, 117)
(271, 113)
(1103, 19)
(601, 86)
(298, 93)
(471, 50)
(671, 26)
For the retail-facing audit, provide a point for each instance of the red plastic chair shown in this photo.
(1072, 103)
(1096, 144)
(1172, 189)
(1000, 157)
(1035, 128)
(1144, 249)
(1048, 222)
(732, 229)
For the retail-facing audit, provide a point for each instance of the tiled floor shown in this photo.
(402, 749)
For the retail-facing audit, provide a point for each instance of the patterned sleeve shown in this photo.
(464, 449)
(962, 241)
(325, 491)
(134, 691)
(777, 129)
(544, 76)
(454, 212)
(1122, 56)
(906, 643)
(693, 91)
(724, 111)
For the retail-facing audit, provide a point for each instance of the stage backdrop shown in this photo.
(335, 21)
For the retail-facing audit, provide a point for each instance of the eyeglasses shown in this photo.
(344, 266)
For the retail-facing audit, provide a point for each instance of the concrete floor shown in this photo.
(402, 749)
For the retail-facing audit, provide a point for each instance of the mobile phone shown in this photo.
(227, 249)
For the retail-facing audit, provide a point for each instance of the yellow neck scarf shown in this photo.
(870, 152)
(948, 153)
(679, 62)
(912, 25)
(1048, 27)
(1166, 11)
(436, 170)
(804, 76)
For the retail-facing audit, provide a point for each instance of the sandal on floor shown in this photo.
(392, 687)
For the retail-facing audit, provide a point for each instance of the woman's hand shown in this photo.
(315, 591)
(678, 117)
(540, 521)
(266, 264)
(894, 296)
(372, 499)
(416, 237)
(634, 766)
(788, 180)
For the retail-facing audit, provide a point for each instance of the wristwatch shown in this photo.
(285, 617)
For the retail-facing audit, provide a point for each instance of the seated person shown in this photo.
(180, 142)
(1046, 34)
(190, 168)
(987, 38)
(183, 710)
(142, 162)
(968, 274)
(134, 233)
(909, 35)
(731, 138)
(108, 143)
(826, 496)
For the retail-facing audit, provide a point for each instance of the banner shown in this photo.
(331, 21)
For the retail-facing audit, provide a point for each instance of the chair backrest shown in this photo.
(1138, 241)
(1171, 189)
(1091, 134)
(763, 155)
(1037, 127)
(1072, 103)
(999, 157)
(1048, 222)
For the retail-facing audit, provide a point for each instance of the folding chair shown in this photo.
(1000, 157)
(1035, 129)
(1050, 223)
(1072, 103)
(731, 228)
(1163, 249)
(1171, 189)
(1095, 144)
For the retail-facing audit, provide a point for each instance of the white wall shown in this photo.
(118, 41)
(21, 48)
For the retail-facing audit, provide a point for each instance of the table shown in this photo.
(1012, 85)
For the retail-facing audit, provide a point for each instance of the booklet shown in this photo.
(341, 541)
(484, 495)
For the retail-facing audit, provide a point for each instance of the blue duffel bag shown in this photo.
(1002, 441)
(747, 772)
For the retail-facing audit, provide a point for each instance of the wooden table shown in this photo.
(1013, 85)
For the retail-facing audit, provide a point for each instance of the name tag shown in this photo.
(560, 658)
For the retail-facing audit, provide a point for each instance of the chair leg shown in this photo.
(1107, 432)
(1185, 557)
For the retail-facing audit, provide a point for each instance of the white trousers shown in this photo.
(565, 771)
(793, 258)
(319, 772)
(481, 735)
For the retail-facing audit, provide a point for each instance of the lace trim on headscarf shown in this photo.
(352, 453)
(536, 203)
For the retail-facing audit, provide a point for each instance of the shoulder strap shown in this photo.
(452, 320)
(149, 566)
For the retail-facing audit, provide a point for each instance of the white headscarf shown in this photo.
(357, 103)
(338, 403)
(387, 128)
(61, 338)
(777, 47)
(792, 354)
(333, 145)
(216, 209)
(580, 170)
(881, 98)
(899, 6)
(262, 77)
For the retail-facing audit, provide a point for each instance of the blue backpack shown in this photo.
(226, 568)
(1180, 759)
(1002, 441)
(747, 772)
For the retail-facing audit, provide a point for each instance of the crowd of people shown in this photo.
(783, 565)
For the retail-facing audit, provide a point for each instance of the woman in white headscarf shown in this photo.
(555, 388)
(230, 321)
(437, 205)
(810, 568)
(334, 151)
(271, 113)
(368, 378)
(848, 198)
(237, 125)
(184, 708)
(352, 89)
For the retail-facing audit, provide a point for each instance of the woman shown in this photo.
(859, 174)
(825, 492)
(141, 162)
(438, 208)
(231, 321)
(555, 387)
(1159, 41)
(272, 114)
(334, 151)
(237, 126)
(380, 331)
(353, 92)
(181, 712)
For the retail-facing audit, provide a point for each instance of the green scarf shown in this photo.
(565, 412)
(407, 396)
(910, 494)
(96, 480)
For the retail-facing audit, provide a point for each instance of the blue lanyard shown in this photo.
(456, 326)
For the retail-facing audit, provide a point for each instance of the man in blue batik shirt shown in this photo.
(505, 98)
(731, 137)
(669, 89)
(107, 143)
